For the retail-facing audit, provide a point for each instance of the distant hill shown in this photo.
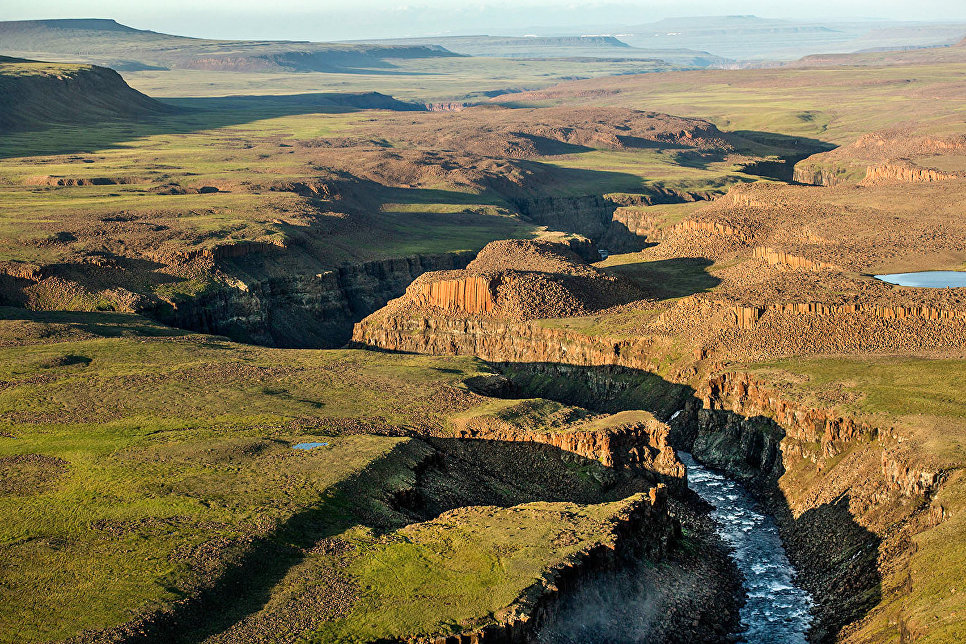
(109, 43)
(748, 37)
(35, 94)
(955, 53)
(601, 46)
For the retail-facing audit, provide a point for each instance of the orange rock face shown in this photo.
(905, 172)
(470, 294)
(775, 257)
(748, 316)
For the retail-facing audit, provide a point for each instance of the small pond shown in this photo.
(927, 279)
(307, 446)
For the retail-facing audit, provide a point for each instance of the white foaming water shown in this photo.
(776, 609)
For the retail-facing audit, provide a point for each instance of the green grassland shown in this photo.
(252, 164)
(636, 171)
(141, 463)
(19, 67)
(836, 105)
(464, 564)
(425, 80)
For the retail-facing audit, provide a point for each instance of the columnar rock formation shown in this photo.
(905, 172)
(745, 317)
(466, 294)
(776, 257)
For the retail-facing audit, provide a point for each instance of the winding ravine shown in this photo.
(776, 609)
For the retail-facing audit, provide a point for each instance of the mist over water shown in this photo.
(776, 609)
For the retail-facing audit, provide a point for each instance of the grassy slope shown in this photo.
(464, 564)
(158, 457)
(430, 80)
(262, 152)
(36, 94)
(923, 399)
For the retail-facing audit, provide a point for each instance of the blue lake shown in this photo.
(927, 279)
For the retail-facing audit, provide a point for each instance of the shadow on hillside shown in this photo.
(669, 278)
(192, 115)
(785, 145)
(746, 448)
(105, 324)
(789, 150)
(457, 473)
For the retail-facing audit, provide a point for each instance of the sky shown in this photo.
(348, 19)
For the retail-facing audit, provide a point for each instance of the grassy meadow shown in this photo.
(141, 464)
(835, 105)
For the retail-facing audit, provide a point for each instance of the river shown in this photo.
(776, 609)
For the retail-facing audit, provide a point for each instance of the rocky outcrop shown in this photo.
(639, 446)
(817, 176)
(746, 317)
(776, 257)
(905, 172)
(307, 310)
(470, 294)
(713, 227)
(448, 106)
(608, 220)
(47, 180)
(498, 341)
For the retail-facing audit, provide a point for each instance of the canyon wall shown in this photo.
(315, 311)
(748, 316)
(809, 174)
(640, 447)
(609, 220)
(776, 257)
(904, 172)
(842, 490)
(644, 531)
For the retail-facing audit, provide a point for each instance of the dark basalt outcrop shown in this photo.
(308, 310)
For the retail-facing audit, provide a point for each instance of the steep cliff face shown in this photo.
(879, 157)
(807, 173)
(905, 172)
(605, 219)
(465, 294)
(306, 311)
(776, 257)
(642, 447)
(498, 341)
(846, 493)
(746, 317)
